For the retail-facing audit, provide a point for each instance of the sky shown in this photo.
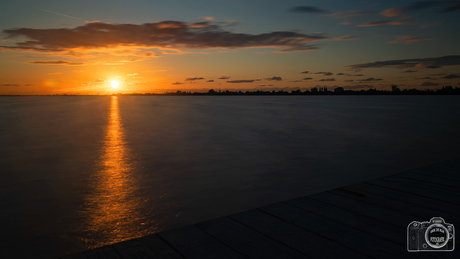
(157, 46)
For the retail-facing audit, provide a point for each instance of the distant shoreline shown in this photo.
(446, 90)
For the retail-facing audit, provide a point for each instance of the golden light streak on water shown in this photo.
(113, 210)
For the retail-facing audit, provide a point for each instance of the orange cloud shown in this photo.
(55, 62)
(407, 39)
(382, 23)
(164, 35)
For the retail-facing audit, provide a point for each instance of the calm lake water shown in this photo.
(82, 172)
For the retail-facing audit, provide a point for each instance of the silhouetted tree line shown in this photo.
(445, 90)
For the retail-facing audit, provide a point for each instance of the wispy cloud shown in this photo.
(224, 77)
(275, 78)
(383, 23)
(327, 80)
(393, 12)
(371, 79)
(416, 63)
(408, 39)
(324, 73)
(429, 84)
(194, 78)
(350, 13)
(164, 35)
(345, 38)
(241, 81)
(10, 85)
(55, 62)
(430, 25)
(451, 76)
(440, 6)
(307, 9)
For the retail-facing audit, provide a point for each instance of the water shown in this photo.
(82, 172)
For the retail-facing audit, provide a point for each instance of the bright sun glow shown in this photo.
(114, 84)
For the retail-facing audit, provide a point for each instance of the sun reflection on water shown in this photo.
(113, 210)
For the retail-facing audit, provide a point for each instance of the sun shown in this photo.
(114, 84)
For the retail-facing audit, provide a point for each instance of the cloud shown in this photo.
(307, 78)
(327, 80)
(324, 73)
(429, 25)
(296, 81)
(392, 12)
(194, 78)
(275, 78)
(407, 39)
(55, 62)
(298, 49)
(177, 83)
(118, 62)
(445, 6)
(210, 81)
(241, 81)
(451, 76)
(353, 87)
(422, 66)
(164, 35)
(345, 38)
(349, 80)
(371, 79)
(410, 71)
(435, 62)
(208, 18)
(451, 8)
(10, 85)
(304, 72)
(428, 84)
(348, 14)
(382, 23)
(427, 77)
(224, 77)
(354, 75)
(307, 9)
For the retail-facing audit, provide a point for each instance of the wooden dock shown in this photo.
(365, 220)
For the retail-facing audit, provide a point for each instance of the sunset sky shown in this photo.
(80, 47)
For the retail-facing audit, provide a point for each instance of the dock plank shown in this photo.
(146, 247)
(192, 242)
(393, 217)
(248, 242)
(423, 202)
(350, 218)
(105, 252)
(418, 189)
(335, 231)
(367, 219)
(412, 209)
(293, 236)
(427, 177)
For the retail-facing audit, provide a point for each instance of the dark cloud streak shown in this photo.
(165, 34)
(55, 62)
(307, 9)
(435, 62)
